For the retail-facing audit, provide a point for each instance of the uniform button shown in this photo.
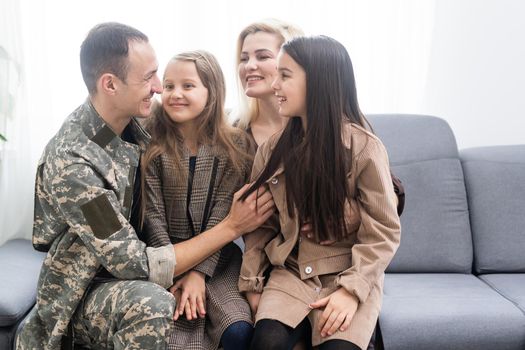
(308, 270)
(274, 181)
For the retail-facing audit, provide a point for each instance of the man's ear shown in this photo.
(107, 83)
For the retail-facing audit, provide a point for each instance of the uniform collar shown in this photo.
(98, 131)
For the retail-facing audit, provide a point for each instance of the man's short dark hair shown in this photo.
(105, 50)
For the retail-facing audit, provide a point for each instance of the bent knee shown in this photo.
(148, 300)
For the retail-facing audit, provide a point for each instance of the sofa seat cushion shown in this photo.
(19, 275)
(495, 180)
(509, 285)
(448, 311)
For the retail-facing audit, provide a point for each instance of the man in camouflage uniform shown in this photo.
(100, 286)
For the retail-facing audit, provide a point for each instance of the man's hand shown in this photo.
(339, 309)
(245, 216)
(190, 293)
(253, 299)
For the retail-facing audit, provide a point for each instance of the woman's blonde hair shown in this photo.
(247, 108)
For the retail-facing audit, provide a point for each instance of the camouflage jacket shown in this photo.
(83, 199)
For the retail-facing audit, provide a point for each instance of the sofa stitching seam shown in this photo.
(497, 290)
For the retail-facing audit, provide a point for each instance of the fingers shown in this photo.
(266, 216)
(338, 313)
(200, 306)
(176, 294)
(320, 303)
(332, 316)
(323, 319)
(307, 231)
(187, 310)
(183, 300)
(263, 196)
(345, 324)
(265, 203)
(259, 194)
(178, 284)
(240, 192)
(338, 319)
(267, 208)
(193, 307)
(176, 315)
(327, 242)
(173, 289)
(306, 228)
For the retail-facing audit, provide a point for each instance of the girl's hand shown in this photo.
(253, 299)
(307, 231)
(176, 293)
(245, 216)
(192, 295)
(340, 307)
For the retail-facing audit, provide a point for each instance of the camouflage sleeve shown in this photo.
(94, 213)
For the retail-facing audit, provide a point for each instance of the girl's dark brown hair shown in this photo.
(315, 161)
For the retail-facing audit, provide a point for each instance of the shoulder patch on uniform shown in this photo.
(101, 217)
(103, 136)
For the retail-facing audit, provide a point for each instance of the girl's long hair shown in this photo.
(315, 161)
(213, 128)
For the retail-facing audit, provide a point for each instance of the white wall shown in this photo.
(476, 72)
(388, 40)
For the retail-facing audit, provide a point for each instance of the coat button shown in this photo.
(308, 270)
(274, 181)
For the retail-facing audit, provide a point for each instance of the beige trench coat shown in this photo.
(356, 263)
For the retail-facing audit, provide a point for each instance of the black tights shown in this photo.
(274, 335)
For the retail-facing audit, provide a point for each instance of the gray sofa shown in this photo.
(18, 276)
(457, 280)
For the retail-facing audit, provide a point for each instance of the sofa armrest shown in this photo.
(19, 269)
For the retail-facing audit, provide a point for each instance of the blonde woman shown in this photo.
(257, 47)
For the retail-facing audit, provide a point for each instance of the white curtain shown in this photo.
(16, 168)
(389, 42)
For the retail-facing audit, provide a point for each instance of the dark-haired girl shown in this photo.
(328, 170)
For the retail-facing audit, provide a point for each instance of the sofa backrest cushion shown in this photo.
(495, 180)
(435, 229)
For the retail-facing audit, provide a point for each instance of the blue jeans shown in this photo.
(237, 336)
